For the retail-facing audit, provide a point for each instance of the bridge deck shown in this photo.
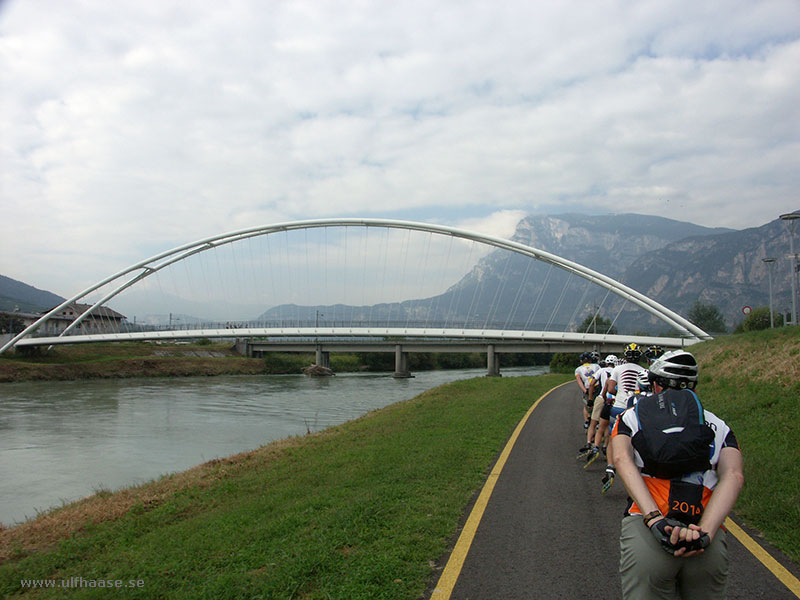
(527, 341)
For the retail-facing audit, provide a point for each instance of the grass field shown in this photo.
(359, 511)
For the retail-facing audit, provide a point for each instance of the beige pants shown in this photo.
(597, 408)
(648, 572)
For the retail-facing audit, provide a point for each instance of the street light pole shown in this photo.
(769, 262)
(791, 219)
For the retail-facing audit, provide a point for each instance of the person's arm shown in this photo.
(580, 382)
(606, 391)
(731, 480)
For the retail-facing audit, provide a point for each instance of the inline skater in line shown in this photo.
(582, 375)
(682, 468)
(621, 384)
(605, 412)
(597, 390)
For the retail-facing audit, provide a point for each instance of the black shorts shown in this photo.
(606, 412)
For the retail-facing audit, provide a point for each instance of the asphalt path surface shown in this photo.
(548, 532)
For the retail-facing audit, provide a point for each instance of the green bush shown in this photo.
(564, 362)
(377, 361)
(758, 319)
(285, 363)
(707, 317)
(345, 363)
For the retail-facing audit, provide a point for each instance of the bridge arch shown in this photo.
(139, 271)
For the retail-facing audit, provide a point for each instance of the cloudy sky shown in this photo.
(131, 127)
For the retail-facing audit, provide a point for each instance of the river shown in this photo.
(61, 441)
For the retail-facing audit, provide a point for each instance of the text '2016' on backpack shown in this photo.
(673, 438)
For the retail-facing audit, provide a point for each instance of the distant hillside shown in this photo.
(17, 295)
(725, 270)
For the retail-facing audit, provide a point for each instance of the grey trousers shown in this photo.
(648, 572)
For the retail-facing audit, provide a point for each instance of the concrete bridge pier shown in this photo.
(322, 359)
(401, 363)
(492, 362)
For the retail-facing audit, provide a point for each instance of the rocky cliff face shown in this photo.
(608, 243)
(726, 270)
(673, 262)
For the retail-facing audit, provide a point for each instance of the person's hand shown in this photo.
(663, 530)
(689, 541)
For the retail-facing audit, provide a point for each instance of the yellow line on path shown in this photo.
(777, 569)
(456, 561)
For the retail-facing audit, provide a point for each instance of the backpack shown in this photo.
(673, 438)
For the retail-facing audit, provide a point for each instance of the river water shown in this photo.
(61, 441)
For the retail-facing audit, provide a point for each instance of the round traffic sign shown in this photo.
(746, 310)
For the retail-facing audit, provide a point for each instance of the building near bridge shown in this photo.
(100, 320)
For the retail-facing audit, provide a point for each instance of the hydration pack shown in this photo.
(673, 438)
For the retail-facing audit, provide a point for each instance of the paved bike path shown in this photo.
(547, 532)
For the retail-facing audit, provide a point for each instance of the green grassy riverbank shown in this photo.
(362, 510)
(752, 380)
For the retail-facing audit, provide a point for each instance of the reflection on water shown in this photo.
(60, 441)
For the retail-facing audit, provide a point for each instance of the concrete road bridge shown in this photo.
(358, 284)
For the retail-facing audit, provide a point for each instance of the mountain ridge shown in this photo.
(26, 298)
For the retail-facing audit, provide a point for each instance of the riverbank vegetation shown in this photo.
(362, 510)
(205, 358)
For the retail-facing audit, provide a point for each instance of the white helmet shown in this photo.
(677, 369)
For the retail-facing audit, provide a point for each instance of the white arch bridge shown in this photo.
(371, 284)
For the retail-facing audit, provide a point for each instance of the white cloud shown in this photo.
(501, 224)
(133, 127)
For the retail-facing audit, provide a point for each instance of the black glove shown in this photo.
(658, 529)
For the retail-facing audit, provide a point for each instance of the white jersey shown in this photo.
(600, 377)
(586, 370)
(626, 376)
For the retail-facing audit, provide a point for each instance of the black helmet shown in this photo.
(677, 370)
(633, 352)
(594, 357)
(653, 352)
